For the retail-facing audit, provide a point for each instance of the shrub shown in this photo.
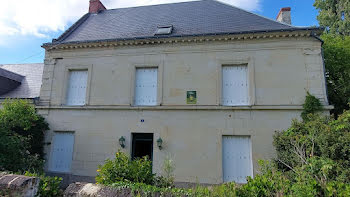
(48, 186)
(142, 189)
(122, 168)
(19, 117)
(320, 136)
(163, 182)
(14, 154)
(21, 137)
(227, 189)
(311, 106)
(141, 171)
(270, 182)
(167, 180)
(314, 154)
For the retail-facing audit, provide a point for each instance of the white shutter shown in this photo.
(76, 93)
(146, 84)
(234, 85)
(236, 158)
(62, 152)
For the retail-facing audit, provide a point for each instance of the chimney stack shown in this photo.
(284, 16)
(96, 6)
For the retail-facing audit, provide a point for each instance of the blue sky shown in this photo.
(22, 33)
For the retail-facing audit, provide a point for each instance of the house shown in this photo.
(21, 81)
(203, 82)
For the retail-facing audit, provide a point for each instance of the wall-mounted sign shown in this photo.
(191, 97)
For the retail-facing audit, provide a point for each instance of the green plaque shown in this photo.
(191, 97)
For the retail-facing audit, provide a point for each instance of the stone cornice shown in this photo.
(179, 107)
(177, 40)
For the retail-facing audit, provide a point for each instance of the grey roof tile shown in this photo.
(206, 17)
(31, 83)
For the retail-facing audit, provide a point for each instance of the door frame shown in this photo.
(133, 141)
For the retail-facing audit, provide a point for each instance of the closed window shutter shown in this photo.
(76, 93)
(62, 152)
(234, 85)
(236, 158)
(146, 84)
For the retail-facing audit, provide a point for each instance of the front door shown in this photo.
(142, 145)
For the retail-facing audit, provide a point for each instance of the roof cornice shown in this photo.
(297, 32)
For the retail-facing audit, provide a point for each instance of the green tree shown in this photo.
(334, 15)
(337, 63)
(21, 137)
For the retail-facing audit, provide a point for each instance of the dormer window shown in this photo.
(164, 30)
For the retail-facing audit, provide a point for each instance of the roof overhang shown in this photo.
(295, 32)
(9, 81)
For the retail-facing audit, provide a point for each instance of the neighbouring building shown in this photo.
(204, 82)
(22, 81)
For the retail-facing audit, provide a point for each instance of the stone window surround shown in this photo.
(157, 65)
(249, 61)
(66, 81)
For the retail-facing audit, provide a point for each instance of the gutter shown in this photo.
(313, 34)
(313, 29)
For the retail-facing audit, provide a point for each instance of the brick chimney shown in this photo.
(284, 16)
(96, 6)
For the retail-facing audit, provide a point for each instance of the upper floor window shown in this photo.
(146, 84)
(235, 85)
(76, 91)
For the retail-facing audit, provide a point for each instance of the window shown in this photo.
(76, 91)
(164, 30)
(146, 83)
(234, 85)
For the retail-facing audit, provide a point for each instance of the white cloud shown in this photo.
(38, 17)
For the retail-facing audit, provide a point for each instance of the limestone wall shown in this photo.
(280, 72)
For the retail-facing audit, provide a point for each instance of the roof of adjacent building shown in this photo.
(9, 81)
(30, 83)
(206, 17)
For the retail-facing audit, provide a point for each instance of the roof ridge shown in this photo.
(161, 4)
(20, 64)
(11, 75)
(251, 13)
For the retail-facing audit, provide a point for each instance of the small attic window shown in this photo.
(164, 30)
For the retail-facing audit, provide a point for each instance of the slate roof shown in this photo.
(206, 17)
(9, 80)
(31, 82)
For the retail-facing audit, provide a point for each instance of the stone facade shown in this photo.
(280, 71)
